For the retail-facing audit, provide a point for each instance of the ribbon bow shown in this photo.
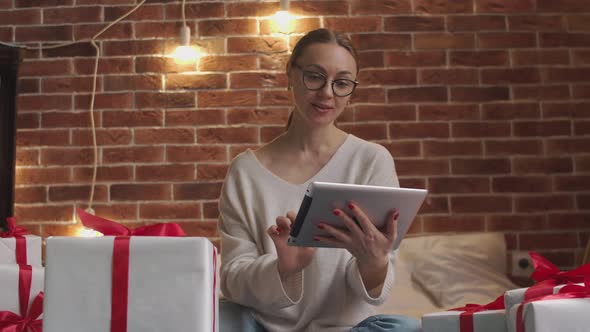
(18, 234)
(547, 276)
(466, 318)
(11, 322)
(108, 227)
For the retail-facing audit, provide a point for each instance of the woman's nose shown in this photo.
(326, 90)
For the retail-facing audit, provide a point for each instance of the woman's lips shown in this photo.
(322, 108)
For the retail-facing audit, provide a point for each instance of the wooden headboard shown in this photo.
(9, 60)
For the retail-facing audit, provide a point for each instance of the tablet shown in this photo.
(377, 202)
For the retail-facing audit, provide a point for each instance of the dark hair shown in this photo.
(320, 36)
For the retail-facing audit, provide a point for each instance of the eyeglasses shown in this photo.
(314, 81)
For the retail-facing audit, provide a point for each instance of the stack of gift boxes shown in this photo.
(152, 278)
(559, 301)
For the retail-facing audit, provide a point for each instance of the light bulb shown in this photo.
(283, 21)
(185, 53)
(87, 232)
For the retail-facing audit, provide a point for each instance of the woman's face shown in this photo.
(317, 62)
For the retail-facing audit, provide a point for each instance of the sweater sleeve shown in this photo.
(248, 276)
(382, 174)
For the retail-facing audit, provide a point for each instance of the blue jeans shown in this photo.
(236, 318)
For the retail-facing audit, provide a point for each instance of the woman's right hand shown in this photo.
(291, 259)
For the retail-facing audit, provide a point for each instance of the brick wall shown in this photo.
(484, 102)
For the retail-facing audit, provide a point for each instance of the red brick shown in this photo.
(463, 185)
(452, 148)
(105, 101)
(421, 183)
(158, 136)
(434, 204)
(27, 157)
(226, 98)
(42, 175)
(227, 27)
(415, 59)
(276, 98)
(269, 133)
(449, 76)
(439, 224)
(515, 222)
(568, 146)
(210, 210)
(165, 29)
(354, 24)
(196, 10)
(199, 117)
(510, 76)
(567, 74)
(68, 84)
(72, 15)
(555, 39)
(566, 110)
(507, 40)
(510, 111)
(42, 138)
(550, 202)
(276, 62)
(443, 7)
(367, 131)
(40, 3)
(297, 25)
(472, 166)
(573, 221)
(319, 8)
(135, 47)
(227, 63)
(540, 165)
(541, 92)
(578, 22)
(572, 183)
(68, 119)
(118, 31)
(118, 212)
(481, 204)
(497, 6)
(210, 172)
(480, 129)
(540, 57)
(169, 211)
(45, 67)
(382, 41)
(536, 23)
(64, 156)
(164, 100)
(105, 66)
(413, 23)
(583, 202)
(385, 113)
(227, 135)
(277, 116)
(562, 6)
(197, 191)
(27, 121)
(76, 193)
(418, 130)
(142, 154)
(542, 128)
(581, 91)
(582, 128)
(479, 58)
(76, 50)
(255, 45)
(103, 174)
(387, 77)
(368, 95)
(380, 7)
(444, 40)
(21, 17)
(44, 213)
(44, 102)
(371, 59)
(403, 149)
(476, 23)
(521, 184)
(147, 64)
(548, 241)
(24, 195)
(45, 34)
(196, 153)
(144, 13)
(140, 192)
(201, 228)
(6, 33)
(166, 173)
(422, 167)
(448, 112)
(28, 85)
(479, 94)
(582, 163)
(133, 118)
(257, 80)
(422, 94)
(61, 230)
(133, 82)
(513, 147)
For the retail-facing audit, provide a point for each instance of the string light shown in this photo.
(283, 20)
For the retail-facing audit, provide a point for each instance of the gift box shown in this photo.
(571, 315)
(450, 321)
(517, 296)
(17, 247)
(21, 288)
(137, 283)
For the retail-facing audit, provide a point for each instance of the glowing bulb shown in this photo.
(185, 53)
(284, 21)
(86, 232)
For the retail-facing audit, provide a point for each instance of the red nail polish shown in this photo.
(336, 212)
(350, 206)
(320, 226)
(279, 229)
(396, 215)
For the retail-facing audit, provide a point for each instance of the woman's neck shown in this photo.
(302, 138)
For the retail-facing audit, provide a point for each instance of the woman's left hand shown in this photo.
(363, 240)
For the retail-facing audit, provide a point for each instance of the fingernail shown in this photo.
(350, 206)
(321, 226)
(396, 215)
(279, 229)
(336, 212)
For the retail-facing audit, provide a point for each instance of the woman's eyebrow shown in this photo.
(323, 70)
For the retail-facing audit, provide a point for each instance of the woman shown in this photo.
(297, 288)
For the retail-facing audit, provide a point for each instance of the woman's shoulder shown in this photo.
(367, 148)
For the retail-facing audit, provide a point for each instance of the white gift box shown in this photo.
(172, 284)
(8, 250)
(571, 315)
(9, 293)
(449, 321)
(516, 296)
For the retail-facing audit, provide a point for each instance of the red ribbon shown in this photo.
(566, 292)
(120, 274)
(21, 242)
(466, 318)
(547, 276)
(11, 322)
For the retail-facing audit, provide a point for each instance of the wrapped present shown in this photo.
(565, 311)
(17, 246)
(130, 283)
(549, 281)
(490, 317)
(21, 303)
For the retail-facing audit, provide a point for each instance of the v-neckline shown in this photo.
(306, 183)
